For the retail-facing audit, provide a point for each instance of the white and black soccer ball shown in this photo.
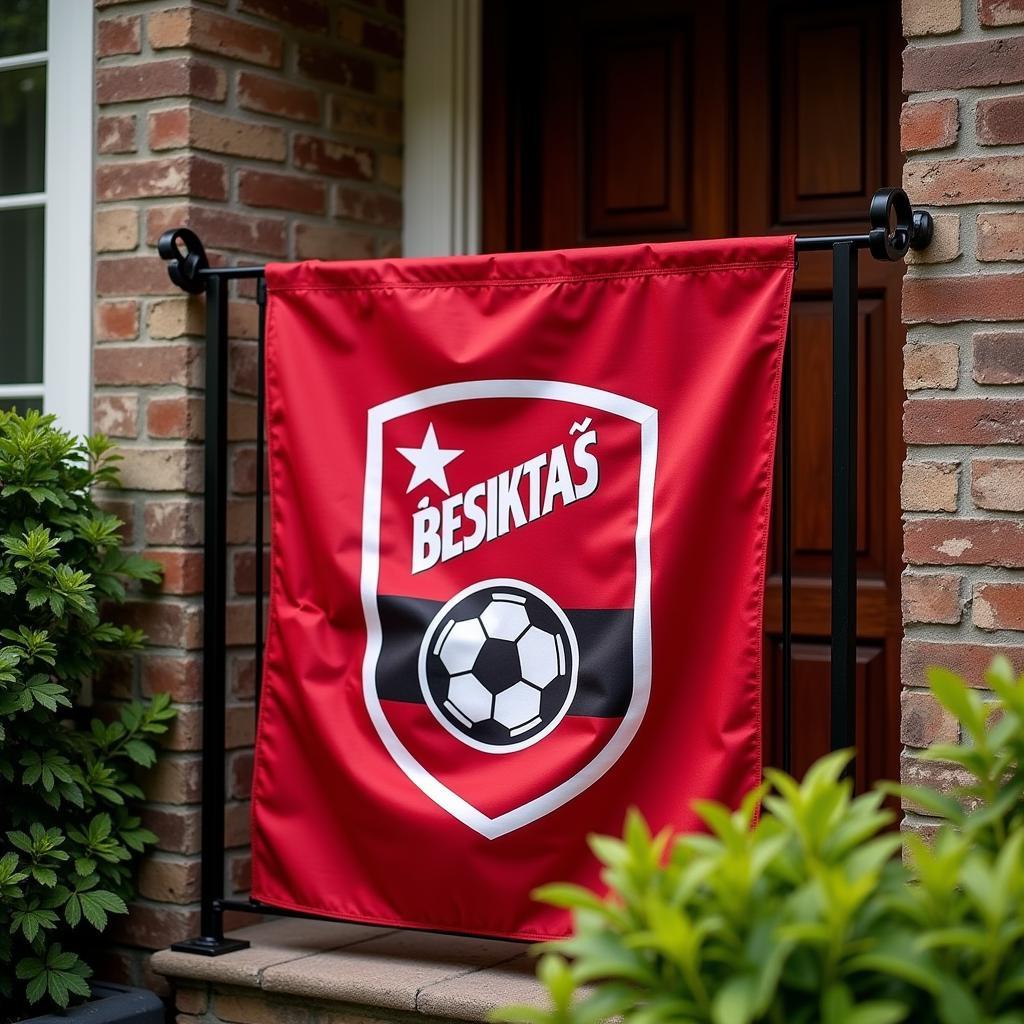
(498, 665)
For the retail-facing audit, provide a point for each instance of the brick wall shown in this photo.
(273, 129)
(963, 302)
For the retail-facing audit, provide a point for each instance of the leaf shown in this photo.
(736, 1001)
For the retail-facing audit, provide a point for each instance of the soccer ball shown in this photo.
(499, 665)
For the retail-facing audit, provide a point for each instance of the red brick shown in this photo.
(324, 242)
(330, 65)
(236, 824)
(338, 159)
(376, 208)
(115, 679)
(999, 357)
(168, 176)
(924, 721)
(240, 627)
(931, 598)
(174, 522)
(1001, 12)
(929, 124)
(931, 365)
(998, 484)
(1001, 236)
(929, 486)
(221, 229)
(166, 623)
(943, 300)
(243, 368)
(133, 275)
(169, 880)
(196, 29)
(962, 65)
(180, 417)
(154, 926)
(282, 192)
(239, 726)
(242, 676)
(118, 35)
(115, 133)
(989, 179)
(998, 606)
(964, 421)
(177, 830)
(240, 775)
(162, 469)
(241, 421)
(179, 676)
(183, 76)
(190, 1000)
(175, 780)
(189, 127)
(244, 571)
(117, 321)
(309, 15)
(964, 542)
(241, 521)
(377, 36)
(240, 872)
(1000, 120)
(116, 415)
(186, 731)
(183, 570)
(968, 660)
(280, 98)
(148, 364)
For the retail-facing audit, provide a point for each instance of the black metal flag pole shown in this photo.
(894, 228)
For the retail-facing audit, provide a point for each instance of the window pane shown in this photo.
(21, 405)
(22, 26)
(21, 296)
(22, 129)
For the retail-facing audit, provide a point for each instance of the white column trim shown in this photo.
(441, 178)
(67, 301)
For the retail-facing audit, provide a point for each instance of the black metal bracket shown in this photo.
(894, 229)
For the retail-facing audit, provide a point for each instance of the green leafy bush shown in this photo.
(69, 834)
(803, 914)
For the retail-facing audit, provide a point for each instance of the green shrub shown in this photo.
(804, 914)
(69, 833)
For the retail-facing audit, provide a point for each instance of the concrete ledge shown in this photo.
(308, 972)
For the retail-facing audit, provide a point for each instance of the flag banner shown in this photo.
(520, 507)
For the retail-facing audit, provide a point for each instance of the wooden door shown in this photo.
(608, 122)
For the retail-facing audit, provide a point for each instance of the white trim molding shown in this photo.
(441, 184)
(67, 300)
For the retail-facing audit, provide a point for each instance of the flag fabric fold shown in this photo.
(520, 507)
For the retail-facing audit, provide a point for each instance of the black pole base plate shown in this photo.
(205, 945)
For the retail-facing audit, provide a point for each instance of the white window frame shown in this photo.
(67, 202)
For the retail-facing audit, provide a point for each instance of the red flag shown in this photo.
(520, 510)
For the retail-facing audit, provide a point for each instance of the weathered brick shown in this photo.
(117, 230)
(951, 182)
(1001, 236)
(148, 364)
(118, 35)
(174, 522)
(998, 484)
(930, 17)
(925, 721)
(221, 229)
(945, 244)
(240, 768)
(964, 421)
(117, 320)
(190, 1000)
(929, 124)
(998, 606)
(193, 128)
(178, 830)
(964, 542)
(1001, 12)
(941, 300)
(324, 242)
(154, 926)
(116, 415)
(176, 318)
(176, 780)
(241, 421)
(162, 469)
(931, 598)
(377, 208)
(246, 1009)
(931, 365)
(964, 65)
(115, 133)
(240, 872)
(309, 15)
(999, 120)
(241, 521)
(181, 676)
(278, 97)
(186, 731)
(197, 29)
(236, 824)
(183, 76)
(169, 879)
(166, 176)
(183, 570)
(354, 116)
(967, 659)
(243, 566)
(337, 159)
(167, 623)
(282, 191)
(998, 357)
(133, 275)
(178, 417)
(328, 64)
(242, 674)
(929, 486)
(239, 726)
(368, 34)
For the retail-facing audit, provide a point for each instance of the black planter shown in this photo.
(110, 1004)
